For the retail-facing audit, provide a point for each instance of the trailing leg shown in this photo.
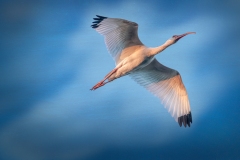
(105, 80)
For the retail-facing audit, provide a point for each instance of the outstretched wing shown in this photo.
(118, 34)
(166, 84)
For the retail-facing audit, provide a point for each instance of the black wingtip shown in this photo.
(94, 26)
(101, 17)
(97, 21)
(185, 120)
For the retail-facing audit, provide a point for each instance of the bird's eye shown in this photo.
(174, 36)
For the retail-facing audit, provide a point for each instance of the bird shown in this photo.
(138, 61)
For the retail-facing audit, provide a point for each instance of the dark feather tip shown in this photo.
(101, 16)
(98, 20)
(185, 120)
(94, 26)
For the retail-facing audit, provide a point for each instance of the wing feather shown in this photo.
(118, 34)
(167, 85)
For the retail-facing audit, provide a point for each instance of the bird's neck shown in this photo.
(159, 49)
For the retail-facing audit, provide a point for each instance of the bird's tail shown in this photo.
(104, 81)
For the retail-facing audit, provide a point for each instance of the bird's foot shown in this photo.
(99, 84)
(104, 81)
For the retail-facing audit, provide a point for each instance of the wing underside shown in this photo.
(118, 34)
(166, 84)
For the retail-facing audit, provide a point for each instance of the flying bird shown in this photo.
(133, 58)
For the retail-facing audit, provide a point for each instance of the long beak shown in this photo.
(182, 35)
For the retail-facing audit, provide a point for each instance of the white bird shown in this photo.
(133, 58)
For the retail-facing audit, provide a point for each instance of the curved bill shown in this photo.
(182, 35)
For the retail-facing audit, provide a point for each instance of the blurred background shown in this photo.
(50, 57)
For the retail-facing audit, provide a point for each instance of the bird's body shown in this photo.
(129, 63)
(133, 58)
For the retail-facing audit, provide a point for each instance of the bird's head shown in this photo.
(175, 38)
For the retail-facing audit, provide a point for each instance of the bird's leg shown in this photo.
(103, 82)
(99, 84)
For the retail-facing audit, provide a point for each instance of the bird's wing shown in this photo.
(118, 34)
(166, 84)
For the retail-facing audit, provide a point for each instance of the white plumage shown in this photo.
(133, 58)
(118, 34)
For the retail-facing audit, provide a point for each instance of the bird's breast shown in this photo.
(137, 60)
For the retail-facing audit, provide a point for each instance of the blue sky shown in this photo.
(51, 57)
